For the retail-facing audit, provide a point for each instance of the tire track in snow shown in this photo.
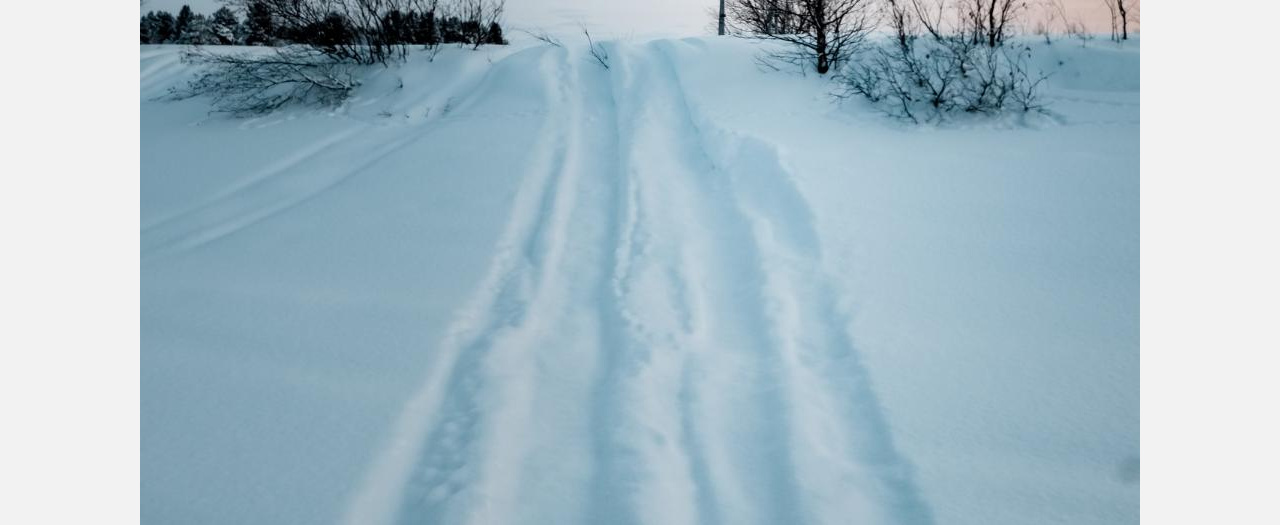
(250, 185)
(698, 437)
(499, 433)
(274, 192)
(533, 455)
(456, 476)
(425, 462)
(648, 467)
(846, 463)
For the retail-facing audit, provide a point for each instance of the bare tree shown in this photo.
(1120, 11)
(1115, 19)
(823, 33)
(1055, 19)
(1070, 26)
(1129, 10)
(720, 17)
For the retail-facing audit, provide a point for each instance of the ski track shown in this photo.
(655, 340)
(292, 180)
(688, 303)
(845, 462)
(278, 190)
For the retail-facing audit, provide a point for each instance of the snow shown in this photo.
(513, 286)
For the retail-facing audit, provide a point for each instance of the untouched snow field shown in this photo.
(512, 286)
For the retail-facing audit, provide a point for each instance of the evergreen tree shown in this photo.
(495, 35)
(199, 32)
(394, 27)
(164, 28)
(334, 31)
(451, 30)
(183, 22)
(471, 32)
(149, 26)
(224, 25)
(241, 33)
(425, 32)
(409, 32)
(259, 26)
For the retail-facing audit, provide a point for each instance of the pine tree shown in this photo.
(409, 33)
(331, 33)
(241, 33)
(260, 28)
(495, 35)
(164, 28)
(149, 25)
(183, 23)
(224, 25)
(199, 32)
(471, 32)
(396, 28)
(426, 32)
(451, 30)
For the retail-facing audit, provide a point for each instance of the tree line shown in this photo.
(330, 24)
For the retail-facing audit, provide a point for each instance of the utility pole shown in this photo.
(721, 17)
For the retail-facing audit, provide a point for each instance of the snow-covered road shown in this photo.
(543, 291)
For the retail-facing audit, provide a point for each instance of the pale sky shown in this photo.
(624, 17)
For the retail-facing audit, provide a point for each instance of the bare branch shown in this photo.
(544, 37)
(598, 52)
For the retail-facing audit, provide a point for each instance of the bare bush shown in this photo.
(245, 84)
(932, 66)
(819, 33)
(327, 41)
(377, 31)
